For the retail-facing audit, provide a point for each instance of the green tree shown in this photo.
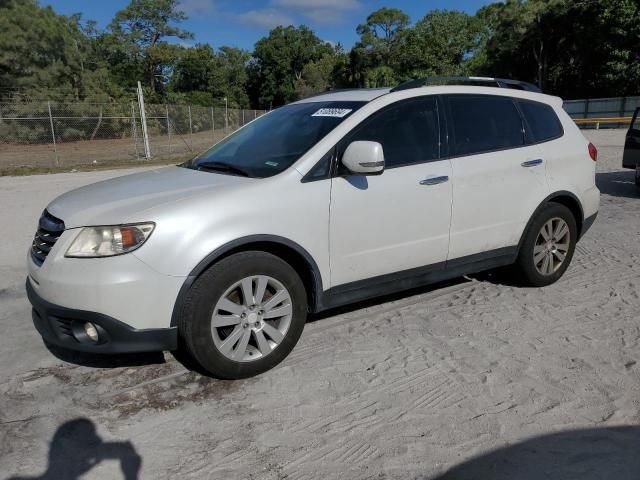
(278, 63)
(142, 29)
(379, 33)
(572, 49)
(193, 69)
(231, 78)
(379, 37)
(439, 44)
(205, 77)
(317, 76)
(39, 50)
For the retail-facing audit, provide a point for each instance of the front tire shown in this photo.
(637, 178)
(548, 246)
(243, 315)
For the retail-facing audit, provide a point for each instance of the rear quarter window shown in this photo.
(541, 122)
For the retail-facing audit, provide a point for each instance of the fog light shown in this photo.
(91, 331)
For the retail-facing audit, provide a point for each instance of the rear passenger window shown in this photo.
(482, 123)
(542, 122)
(408, 131)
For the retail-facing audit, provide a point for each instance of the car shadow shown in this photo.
(620, 183)
(76, 448)
(588, 454)
(505, 276)
(105, 361)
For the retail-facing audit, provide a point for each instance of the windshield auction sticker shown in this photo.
(332, 112)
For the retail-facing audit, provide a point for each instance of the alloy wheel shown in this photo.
(251, 318)
(552, 246)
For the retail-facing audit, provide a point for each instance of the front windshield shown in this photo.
(273, 142)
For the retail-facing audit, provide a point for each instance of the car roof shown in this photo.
(369, 94)
(347, 95)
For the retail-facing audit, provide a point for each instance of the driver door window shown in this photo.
(408, 132)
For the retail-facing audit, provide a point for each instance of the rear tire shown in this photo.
(637, 176)
(243, 315)
(548, 246)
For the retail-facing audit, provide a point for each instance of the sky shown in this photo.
(240, 23)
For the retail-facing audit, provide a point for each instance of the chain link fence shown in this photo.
(51, 134)
(43, 135)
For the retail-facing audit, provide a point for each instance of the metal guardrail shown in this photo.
(601, 120)
(598, 113)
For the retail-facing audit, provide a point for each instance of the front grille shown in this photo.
(49, 230)
(64, 326)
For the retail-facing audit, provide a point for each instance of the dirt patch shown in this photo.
(18, 159)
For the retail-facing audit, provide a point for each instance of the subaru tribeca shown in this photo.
(323, 202)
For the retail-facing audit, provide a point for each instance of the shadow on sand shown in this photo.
(620, 183)
(76, 449)
(590, 454)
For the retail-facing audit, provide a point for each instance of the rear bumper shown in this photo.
(63, 327)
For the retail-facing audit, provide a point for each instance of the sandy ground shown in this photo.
(472, 379)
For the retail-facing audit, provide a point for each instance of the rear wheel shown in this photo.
(637, 175)
(548, 246)
(244, 315)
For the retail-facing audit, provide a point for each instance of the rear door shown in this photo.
(631, 156)
(498, 180)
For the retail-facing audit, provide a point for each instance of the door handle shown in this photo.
(532, 163)
(434, 180)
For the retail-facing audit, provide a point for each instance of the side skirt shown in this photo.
(416, 277)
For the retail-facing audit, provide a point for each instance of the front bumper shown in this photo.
(62, 326)
(121, 287)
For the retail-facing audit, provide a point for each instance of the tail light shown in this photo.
(593, 152)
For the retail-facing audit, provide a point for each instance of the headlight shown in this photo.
(110, 240)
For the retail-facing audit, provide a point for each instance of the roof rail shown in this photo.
(330, 91)
(478, 81)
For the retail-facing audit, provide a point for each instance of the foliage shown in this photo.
(373, 58)
(142, 27)
(278, 63)
(205, 77)
(39, 50)
(571, 48)
(439, 44)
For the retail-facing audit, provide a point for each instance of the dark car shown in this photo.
(631, 157)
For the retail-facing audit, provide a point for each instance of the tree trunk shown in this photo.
(152, 78)
(539, 56)
(95, 130)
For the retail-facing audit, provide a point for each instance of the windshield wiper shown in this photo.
(222, 167)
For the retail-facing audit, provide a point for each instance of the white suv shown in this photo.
(323, 202)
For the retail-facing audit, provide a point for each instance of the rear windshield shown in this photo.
(273, 142)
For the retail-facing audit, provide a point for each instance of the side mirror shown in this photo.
(364, 158)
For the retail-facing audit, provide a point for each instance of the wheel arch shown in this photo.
(288, 250)
(572, 202)
(563, 197)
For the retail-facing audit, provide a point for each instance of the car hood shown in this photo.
(131, 198)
